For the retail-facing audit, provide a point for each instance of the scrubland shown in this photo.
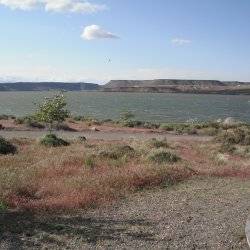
(87, 174)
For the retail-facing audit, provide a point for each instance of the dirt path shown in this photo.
(196, 214)
(103, 135)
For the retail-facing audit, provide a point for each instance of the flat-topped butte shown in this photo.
(150, 86)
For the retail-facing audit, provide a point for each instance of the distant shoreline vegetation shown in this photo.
(128, 120)
(143, 86)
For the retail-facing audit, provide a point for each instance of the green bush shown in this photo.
(6, 147)
(227, 148)
(233, 136)
(3, 207)
(117, 151)
(30, 122)
(150, 125)
(162, 156)
(167, 127)
(52, 111)
(52, 140)
(131, 123)
(179, 128)
(20, 120)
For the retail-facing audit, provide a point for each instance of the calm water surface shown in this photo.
(158, 107)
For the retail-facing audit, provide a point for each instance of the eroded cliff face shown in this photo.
(178, 86)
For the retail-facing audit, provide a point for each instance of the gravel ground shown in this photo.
(196, 214)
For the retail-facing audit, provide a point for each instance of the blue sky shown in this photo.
(99, 40)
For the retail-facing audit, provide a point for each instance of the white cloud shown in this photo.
(86, 7)
(93, 32)
(57, 5)
(180, 41)
(73, 6)
(17, 4)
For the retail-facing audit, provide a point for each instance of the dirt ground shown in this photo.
(205, 213)
(104, 135)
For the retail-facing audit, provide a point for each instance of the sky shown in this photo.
(100, 40)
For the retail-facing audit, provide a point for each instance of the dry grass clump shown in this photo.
(117, 151)
(62, 178)
(235, 136)
(162, 156)
(155, 143)
(233, 139)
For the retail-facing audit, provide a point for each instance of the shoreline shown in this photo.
(103, 135)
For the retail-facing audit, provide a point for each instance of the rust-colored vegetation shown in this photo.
(91, 174)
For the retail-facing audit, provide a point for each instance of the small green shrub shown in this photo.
(52, 140)
(6, 147)
(162, 156)
(30, 122)
(167, 127)
(179, 128)
(150, 125)
(132, 123)
(233, 136)
(20, 120)
(4, 117)
(3, 207)
(154, 143)
(227, 148)
(117, 152)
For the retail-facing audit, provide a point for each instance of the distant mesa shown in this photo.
(179, 86)
(47, 86)
(150, 86)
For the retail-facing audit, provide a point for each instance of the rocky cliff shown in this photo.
(179, 86)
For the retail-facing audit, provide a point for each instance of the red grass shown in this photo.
(60, 181)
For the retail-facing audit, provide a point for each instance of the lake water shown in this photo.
(158, 107)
